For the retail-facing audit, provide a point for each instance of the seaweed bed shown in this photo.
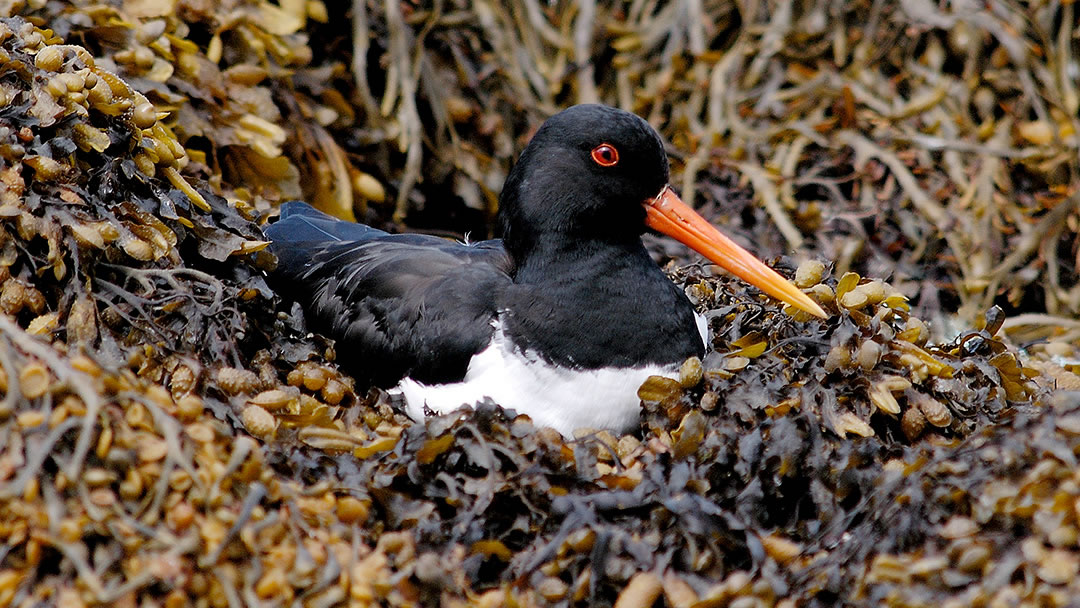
(170, 434)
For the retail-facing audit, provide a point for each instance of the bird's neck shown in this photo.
(544, 222)
(599, 306)
(553, 257)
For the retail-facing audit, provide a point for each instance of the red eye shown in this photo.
(605, 155)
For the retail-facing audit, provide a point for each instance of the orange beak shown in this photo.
(668, 214)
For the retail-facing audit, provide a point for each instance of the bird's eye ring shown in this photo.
(605, 155)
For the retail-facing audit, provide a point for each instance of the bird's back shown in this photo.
(398, 304)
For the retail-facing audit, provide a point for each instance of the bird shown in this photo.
(562, 319)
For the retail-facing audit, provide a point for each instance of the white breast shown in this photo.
(564, 399)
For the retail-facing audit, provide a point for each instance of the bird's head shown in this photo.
(593, 174)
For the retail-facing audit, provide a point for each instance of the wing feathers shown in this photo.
(404, 305)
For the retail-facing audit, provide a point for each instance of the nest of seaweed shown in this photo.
(171, 433)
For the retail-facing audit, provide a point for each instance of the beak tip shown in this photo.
(807, 306)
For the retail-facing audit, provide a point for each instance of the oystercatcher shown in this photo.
(563, 319)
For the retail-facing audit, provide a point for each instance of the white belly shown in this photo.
(563, 399)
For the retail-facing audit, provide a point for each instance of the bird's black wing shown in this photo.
(398, 305)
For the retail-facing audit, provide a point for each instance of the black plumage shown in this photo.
(576, 285)
(569, 304)
(399, 305)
